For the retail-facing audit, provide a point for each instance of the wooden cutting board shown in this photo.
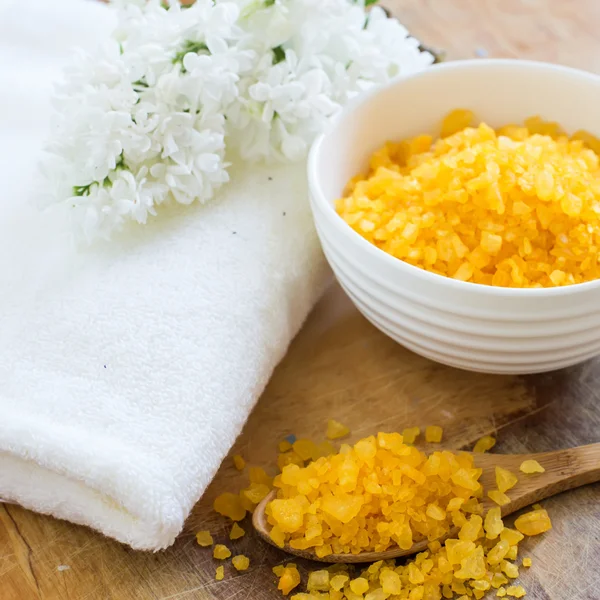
(341, 367)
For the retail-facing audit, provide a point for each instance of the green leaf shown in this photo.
(121, 162)
(278, 55)
(269, 2)
(82, 190)
(140, 83)
(370, 2)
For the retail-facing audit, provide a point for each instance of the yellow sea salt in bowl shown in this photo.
(515, 207)
(449, 307)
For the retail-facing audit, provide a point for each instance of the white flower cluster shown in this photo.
(149, 116)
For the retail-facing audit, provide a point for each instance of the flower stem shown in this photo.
(86, 190)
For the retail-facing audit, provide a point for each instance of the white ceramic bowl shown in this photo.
(465, 325)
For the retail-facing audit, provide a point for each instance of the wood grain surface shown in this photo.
(341, 367)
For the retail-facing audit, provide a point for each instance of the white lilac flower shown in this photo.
(142, 121)
(283, 109)
(316, 55)
(126, 196)
(151, 116)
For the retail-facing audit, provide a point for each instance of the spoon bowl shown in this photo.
(564, 470)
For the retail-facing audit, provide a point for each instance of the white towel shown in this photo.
(127, 371)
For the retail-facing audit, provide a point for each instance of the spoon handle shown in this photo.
(564, 470)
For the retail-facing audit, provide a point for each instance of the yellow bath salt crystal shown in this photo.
(390, 581)
(410, 434)
(435, 512)
(324, 550)
(415, 575)
(516, 591)
(304, 448)
(288, 513)
(229, 505)
(480, 584)
(289, 458)
(246, 504)
(465, 478)
(510, 569)
(289, 579)
(512, 553)
(337, 582)
(527, 562)
(458, 587)
(220, 573)
(259, 476)
(487, 442)
(278, 570)
(531, 466)
(454, 504)
(472, 506)
(493, 523)
(433, 434)
(238, 462)
(240, 562)
(498, 497)
(498, 553)
(284, 446)
(204, 538)
(456, 120)
(464, 272)
(256, 492)
(534, 522)
(236, 532)
(221, 552)
(318, 581)
(512, 536)
(471, 530)
(505, 480)
(277, 536)
(359, 585)
(498, 580)
(472, 566)
(325, 449)
(336, 430)
(501, 592)
(377, 594)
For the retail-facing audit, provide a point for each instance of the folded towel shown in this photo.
(128, 369)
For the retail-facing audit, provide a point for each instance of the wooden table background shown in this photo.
(340, 366)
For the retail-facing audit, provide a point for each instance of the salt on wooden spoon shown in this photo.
(564, 470)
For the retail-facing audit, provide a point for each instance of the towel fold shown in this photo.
(127, 370)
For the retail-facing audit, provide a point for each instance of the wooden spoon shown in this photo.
(565, 470)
